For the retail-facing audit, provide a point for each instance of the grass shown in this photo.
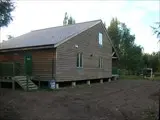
(130, 77)
(156, 78)
(134, 77)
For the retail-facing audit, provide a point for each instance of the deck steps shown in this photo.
(22, 81)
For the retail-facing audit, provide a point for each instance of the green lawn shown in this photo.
(130, 77)
(156, 78)
(134, 77)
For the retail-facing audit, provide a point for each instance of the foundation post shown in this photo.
(101, 81)
(73, 84)
(57, 86)
(88, 82)
(13, 84)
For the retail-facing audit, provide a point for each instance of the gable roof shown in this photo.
(49, 36)
(53, 36)
(113, 47)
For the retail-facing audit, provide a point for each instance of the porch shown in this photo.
(11, 72)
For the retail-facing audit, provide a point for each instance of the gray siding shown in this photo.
(87, 41)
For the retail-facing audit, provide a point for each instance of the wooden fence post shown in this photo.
(27, 82)
(13, 84)
(159, 108)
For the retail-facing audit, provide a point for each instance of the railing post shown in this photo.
(159, 108)
(13, 84)
(27, 82)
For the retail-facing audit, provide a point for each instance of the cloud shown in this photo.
(31, 15)
(147, 5)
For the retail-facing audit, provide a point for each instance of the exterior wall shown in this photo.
(87, 42)
(42, 62)
(14, 57)
(114, 62)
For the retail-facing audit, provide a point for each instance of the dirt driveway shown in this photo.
(118, 100)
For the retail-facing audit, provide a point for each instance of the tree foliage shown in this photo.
(68, 20)
(152, 61)
(114, 32)
(156, 30)
(71, 21)
(6, 7)
(131, 55)
(9, 37)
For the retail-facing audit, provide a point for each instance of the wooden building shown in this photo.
(81, 51)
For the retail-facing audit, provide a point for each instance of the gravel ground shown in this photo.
(117, 100)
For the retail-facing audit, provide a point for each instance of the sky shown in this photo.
(137, 15)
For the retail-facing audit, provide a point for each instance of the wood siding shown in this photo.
(87, 42)
(14, 57)
(42, 62)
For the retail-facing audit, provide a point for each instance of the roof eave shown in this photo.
(110, 41)
(27, 48)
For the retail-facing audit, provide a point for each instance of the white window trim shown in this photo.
(100, 43)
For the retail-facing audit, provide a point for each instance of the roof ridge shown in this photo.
(66, 25)
(45, 38)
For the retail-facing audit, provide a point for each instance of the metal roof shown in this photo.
(48, 36)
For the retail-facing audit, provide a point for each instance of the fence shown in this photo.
(10, 69)
(115, 71)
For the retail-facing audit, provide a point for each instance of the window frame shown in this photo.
(79, 60)
(100, 39)
(100, 62)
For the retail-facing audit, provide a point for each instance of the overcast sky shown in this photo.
(138, 16)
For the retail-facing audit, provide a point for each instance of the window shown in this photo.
(79, 60)
(100, 39)
(100, 62)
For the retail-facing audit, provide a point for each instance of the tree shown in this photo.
(156, 30)
(104, 24)
(6, 7)
(146, 60)
(151, 61)
(114, 32)
(9, 37)
(130, 54)
(68, 20)
(71, 21)
(65, 21)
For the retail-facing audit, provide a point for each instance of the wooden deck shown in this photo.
(21, 80)
(5, 80)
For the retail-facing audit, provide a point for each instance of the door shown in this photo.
(28, 64)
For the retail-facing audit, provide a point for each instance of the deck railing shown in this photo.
(9, 69)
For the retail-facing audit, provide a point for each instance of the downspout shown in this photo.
(54, 65)
(0, 39)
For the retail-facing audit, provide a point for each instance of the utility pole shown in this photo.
(158, 49)
(159, 89)
(0, 38)
(159, 108)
